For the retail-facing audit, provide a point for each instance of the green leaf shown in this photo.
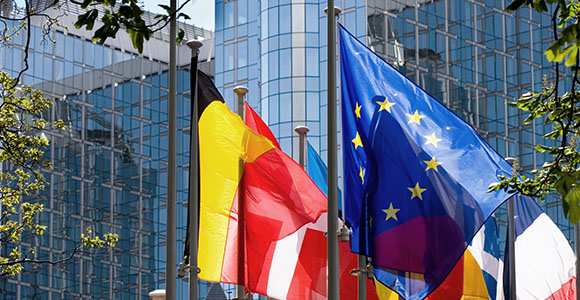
(557, 54)
(136, 39)
(553, 135)
(184, 16)
(166, 8)
(540, 6)
(87, 19)
(180, 35)
(542, 148)
(86, 4)
(564, 184)
(572, 58)
(573, 205)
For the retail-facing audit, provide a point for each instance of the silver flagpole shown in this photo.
(362, 277)
(241, 91)
(303, 157)
(512, 238)
(333, 275)
(170, 267)
(193, 173)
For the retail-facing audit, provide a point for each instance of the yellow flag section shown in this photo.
(465, 282)
(225, 144)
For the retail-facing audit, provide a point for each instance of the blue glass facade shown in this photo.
(473, 56)
(109, 166)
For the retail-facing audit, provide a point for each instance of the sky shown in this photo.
(201, 12)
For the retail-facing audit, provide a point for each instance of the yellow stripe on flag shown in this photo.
(473, 282)
(225, 143)
(384, 292)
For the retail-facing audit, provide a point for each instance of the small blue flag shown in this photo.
(318, 172)
(416, 175)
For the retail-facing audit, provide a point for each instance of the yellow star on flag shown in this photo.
(356, 141)
(416, 117)
(385, 105)
(432, 164)
(417, 190)
(432, 139)
(362, 175)
(357, 110)
(391, 212)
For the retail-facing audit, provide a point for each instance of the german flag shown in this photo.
(238, 164)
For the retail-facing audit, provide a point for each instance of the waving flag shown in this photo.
(318, 172)
(348, 260)
(416, 175)
(545, 262)
(238, 164)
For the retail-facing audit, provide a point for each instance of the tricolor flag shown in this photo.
(416, 175)
(238, 164)
(545, 262)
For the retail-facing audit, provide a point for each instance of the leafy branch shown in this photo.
(22, 145)
(128, 15)
(560, 111)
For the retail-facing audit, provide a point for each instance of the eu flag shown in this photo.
(416, 175)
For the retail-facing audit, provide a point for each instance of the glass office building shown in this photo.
(473, 56)
(110, 165)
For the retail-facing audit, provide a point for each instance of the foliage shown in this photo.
(126, 14)
(110, 15)
(22, 144)
(558, 108)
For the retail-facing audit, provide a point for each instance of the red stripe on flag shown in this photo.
(452, 286)
(279, 194)
(279, 199)
(349, 283)
(309, 281)
(567, 292)
(257, 124)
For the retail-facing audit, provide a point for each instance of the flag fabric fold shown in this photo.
(477, 275)
(416, 175)
(297, 266)
(279, 203)
(545, 262)
(348, 261)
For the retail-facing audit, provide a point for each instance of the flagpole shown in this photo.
(362, 277)
(511, 238)
(240, 288)
(333, 272)
(302, 131)
(193, 200)
(170, 272)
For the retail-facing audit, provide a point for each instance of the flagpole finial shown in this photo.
(194, 44)
(337, 11)
(511, 160)
(241, 90)
(157, 295)
(302, 129)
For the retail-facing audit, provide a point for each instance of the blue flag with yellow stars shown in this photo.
(416, 175)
